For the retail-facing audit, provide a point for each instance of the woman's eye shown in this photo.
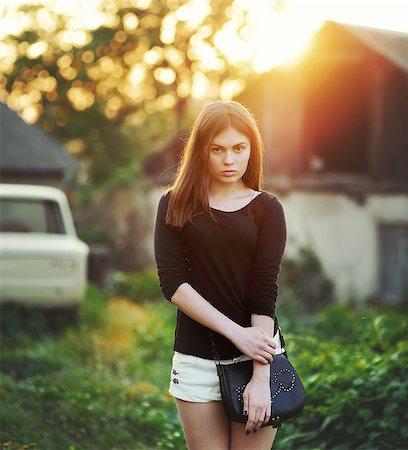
(240, 148)
(216, 149)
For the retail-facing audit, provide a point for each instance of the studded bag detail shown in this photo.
(287, 391)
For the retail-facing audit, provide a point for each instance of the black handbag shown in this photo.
(287, 392)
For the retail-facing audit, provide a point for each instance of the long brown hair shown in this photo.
(189, 191)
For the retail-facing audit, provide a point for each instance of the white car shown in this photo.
(42, 261)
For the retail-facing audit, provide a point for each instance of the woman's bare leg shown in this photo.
(261, 440)
(205, 425)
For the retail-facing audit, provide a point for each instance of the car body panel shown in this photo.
(42, 268)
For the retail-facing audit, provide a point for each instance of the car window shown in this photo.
(30, 216)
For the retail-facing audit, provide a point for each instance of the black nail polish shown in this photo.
(247, 433)
(245, 412)
(255, 431)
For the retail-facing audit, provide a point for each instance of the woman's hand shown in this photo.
(253, 342)
(257, 403)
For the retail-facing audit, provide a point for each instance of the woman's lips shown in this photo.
(229, 173)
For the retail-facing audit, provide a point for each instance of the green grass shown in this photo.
(86, 388)
(102, 383)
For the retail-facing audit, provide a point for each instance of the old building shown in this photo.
(29, 155)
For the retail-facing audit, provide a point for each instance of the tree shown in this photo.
(111, 91)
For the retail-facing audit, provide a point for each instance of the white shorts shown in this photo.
(195, 379)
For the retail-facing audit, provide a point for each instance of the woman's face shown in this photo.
(229, 156)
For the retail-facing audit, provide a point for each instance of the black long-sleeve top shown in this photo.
(233, 263)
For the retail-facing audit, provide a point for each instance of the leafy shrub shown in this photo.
(96, 234)
(353, 364)
(17, 321)
(73, 392)
(85, 409)
(139, 286)
(379, 328)
(93, 309)
(304, 287)
(20, 322)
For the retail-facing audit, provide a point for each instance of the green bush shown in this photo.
(379, 328)
(96, 234)
(84, 409)
(353, 364)
(93, 309)
(304, 287)
(73, 392)
(139, 286)
(20, 322)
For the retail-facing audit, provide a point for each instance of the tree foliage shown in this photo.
(113, 89)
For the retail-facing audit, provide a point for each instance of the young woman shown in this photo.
(219, 242)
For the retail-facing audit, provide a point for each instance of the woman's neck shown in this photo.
(227, 190)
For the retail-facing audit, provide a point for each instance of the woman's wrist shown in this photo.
(261, 371)
(232, 330)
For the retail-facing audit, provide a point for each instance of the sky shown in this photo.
(291, 27)
(386, 14)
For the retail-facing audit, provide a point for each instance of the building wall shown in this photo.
(345, 236)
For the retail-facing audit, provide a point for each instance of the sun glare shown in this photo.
(390, 14)
(262, 38)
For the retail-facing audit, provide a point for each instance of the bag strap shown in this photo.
(214, 348)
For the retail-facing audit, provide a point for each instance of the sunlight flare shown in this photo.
(263, 38)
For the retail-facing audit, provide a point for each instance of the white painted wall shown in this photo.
(344, 235)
